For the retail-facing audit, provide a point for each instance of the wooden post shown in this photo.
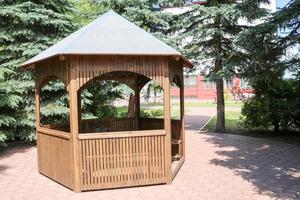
(79, 111)
(137, 102)
(37, 122)
(37, 108)
(74, 128)
(167, 125)
(182, 130)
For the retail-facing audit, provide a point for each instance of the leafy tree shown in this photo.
(151, 87)
(263, 59)
(208, 33)
(27, 27)
(278, 107)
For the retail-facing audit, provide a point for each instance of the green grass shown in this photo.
(231, 122)
(209, 104)
(152, 112)
(233, 126)
(212, 104)
(200, 104)
(121, 110)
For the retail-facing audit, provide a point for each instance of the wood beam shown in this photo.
(74, 128)
(137, 102)
(37, 124)
(167, 125)
(182, 130)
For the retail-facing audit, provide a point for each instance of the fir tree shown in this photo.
(27, 27)
(207, 34)
(264, 56)
(288, 21)
(146, 14)
(265, 48)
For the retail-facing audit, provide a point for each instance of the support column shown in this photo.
(79, 111)
(137, 103)
(37, 108)
(74, 128)
(167, 126)
(37, 122)
(182, 130)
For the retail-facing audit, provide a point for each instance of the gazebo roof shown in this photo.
(110, 34)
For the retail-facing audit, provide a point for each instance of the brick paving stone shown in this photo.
(218, 166)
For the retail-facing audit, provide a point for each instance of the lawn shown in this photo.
(149, 112)
(212, 104)
(232, 119)
(231, 122)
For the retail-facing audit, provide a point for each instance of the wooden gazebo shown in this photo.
(132, 151)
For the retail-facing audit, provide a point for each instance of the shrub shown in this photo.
(278, 107)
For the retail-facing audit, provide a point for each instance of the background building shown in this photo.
(197, 88)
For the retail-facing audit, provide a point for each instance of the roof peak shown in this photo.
(109, 34)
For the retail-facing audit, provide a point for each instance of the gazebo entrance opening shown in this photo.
(132, 122)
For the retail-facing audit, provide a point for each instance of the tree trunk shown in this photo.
(220, 126)
(275, 122)
(276, 127)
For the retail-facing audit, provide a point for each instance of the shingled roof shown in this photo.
(110, 34)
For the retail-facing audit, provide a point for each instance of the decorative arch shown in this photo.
(177, 81)
(87, 67)
(131, 79)
(45, 80)
(51, 69)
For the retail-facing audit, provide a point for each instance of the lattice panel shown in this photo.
(122, 162)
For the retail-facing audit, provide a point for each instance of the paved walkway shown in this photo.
(217, 167)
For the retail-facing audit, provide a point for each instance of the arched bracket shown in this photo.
(127, 78)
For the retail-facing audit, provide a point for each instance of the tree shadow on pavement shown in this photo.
(10, 152)
(272, 167)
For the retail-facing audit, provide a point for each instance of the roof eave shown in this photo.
(31, 65)
(187, 63)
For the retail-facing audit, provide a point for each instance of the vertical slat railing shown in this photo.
(115, 160)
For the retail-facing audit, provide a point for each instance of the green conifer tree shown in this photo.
(26, 27)
(266, 52)
(208, 33)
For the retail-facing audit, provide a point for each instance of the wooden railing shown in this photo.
(109, 159)
(110, 125)
(54, 156)
(64, 127)
(151, 123)
(122, 159)
(156, 123)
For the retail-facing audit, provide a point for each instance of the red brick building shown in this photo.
(195, 87)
